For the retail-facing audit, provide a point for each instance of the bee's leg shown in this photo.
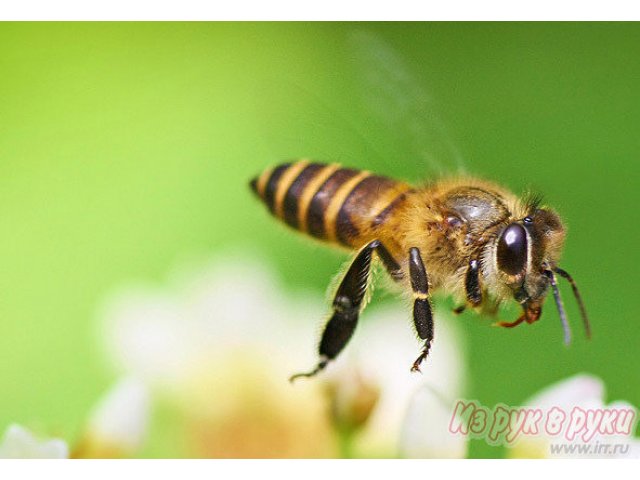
(390, 264)
(346, 308)
(472, 287)
(472, 283)
(422, 316)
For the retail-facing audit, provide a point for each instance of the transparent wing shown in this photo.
(398, 98)
(369, 112)
(301, 120)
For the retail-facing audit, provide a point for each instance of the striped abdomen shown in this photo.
(329, 202)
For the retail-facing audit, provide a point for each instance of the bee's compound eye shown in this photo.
(512, 249)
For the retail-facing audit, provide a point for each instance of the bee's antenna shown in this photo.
(583, 310)
(563, 315)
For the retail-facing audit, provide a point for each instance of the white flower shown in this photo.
(220, 343)
(116, 428)
(165, 335)
(426, 431)
(18, 442)
(222, 339)
(587, 393)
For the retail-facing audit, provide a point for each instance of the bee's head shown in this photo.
(525, 250)
(526, 254)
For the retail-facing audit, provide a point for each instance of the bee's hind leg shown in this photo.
(422, 314)
(347, 304)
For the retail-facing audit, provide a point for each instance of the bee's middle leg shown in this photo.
(347, 304)
(422, 313)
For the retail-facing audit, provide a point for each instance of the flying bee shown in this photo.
(470, 238)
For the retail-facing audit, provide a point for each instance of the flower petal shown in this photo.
(146, 334)
(119, 422)
(426, 431)
(18, 442)
(584, 391)
(382, 352)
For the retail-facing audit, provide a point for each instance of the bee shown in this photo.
(470, 238)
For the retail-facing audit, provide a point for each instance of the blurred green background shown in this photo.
(125, 147)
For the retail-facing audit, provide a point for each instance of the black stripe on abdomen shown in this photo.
(358, 204)
(322, 198)
(292, 197)
(272, 185)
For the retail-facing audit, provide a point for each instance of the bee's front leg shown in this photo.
(347, 304)
(422, 314)
(472, 288)
(472, 283)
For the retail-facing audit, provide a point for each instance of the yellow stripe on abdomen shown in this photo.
(309, 193)
(331, 214)
(284, 183)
